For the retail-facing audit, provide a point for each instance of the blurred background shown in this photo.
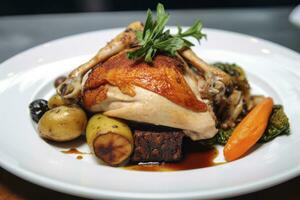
(24, 25)
(20, 7)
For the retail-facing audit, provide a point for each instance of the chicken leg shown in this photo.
(201, 65)
(216, 81)
(71, 87)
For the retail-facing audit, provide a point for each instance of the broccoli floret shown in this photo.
(278, 124)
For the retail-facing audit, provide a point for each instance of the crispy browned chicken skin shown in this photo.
(163, 76)
(164, 92)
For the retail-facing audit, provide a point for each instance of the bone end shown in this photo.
(136, 26)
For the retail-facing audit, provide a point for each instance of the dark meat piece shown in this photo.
(157, 146)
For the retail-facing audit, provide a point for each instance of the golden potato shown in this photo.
(55, 101)
(110, 139)
(62, 123)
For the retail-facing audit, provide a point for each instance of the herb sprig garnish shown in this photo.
(154, 38)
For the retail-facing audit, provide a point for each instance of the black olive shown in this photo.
(37, 109)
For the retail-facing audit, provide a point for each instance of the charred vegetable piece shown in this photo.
(278, 124)
(109, 139)
(63, 123)
(37, 109)
(157, 146)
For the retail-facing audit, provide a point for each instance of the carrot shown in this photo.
(248, 131)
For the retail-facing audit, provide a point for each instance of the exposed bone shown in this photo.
(71, 87)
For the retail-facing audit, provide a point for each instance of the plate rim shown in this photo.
(268, 42)
(84, 191)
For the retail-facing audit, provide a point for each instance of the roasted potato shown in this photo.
(62, 123)
(109, 139)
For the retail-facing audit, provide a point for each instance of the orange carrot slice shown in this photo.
(248, 131)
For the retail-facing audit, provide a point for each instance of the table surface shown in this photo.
(18, 33)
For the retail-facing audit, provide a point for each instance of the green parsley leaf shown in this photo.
(170, 45)
(154, 38)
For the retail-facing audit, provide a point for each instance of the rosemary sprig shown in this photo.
(154, 38)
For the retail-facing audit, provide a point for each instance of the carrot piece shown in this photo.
(248, 131)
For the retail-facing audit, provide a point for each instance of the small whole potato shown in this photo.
(55, 101)
(110, 139)
(62, 123)
(101, 124)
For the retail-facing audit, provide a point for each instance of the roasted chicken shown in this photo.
(165, 92)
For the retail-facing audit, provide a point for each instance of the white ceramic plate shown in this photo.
(272, 70)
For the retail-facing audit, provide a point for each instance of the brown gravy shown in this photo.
(73, 151)
(79, 157)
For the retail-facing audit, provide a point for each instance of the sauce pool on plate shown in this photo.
(75, 151)
(193, 160)
(79, 157)
(194, 157)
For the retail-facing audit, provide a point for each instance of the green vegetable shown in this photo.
(154, 38)
(220, 138)
(278, 124)
(223, 136)
(231, 69)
